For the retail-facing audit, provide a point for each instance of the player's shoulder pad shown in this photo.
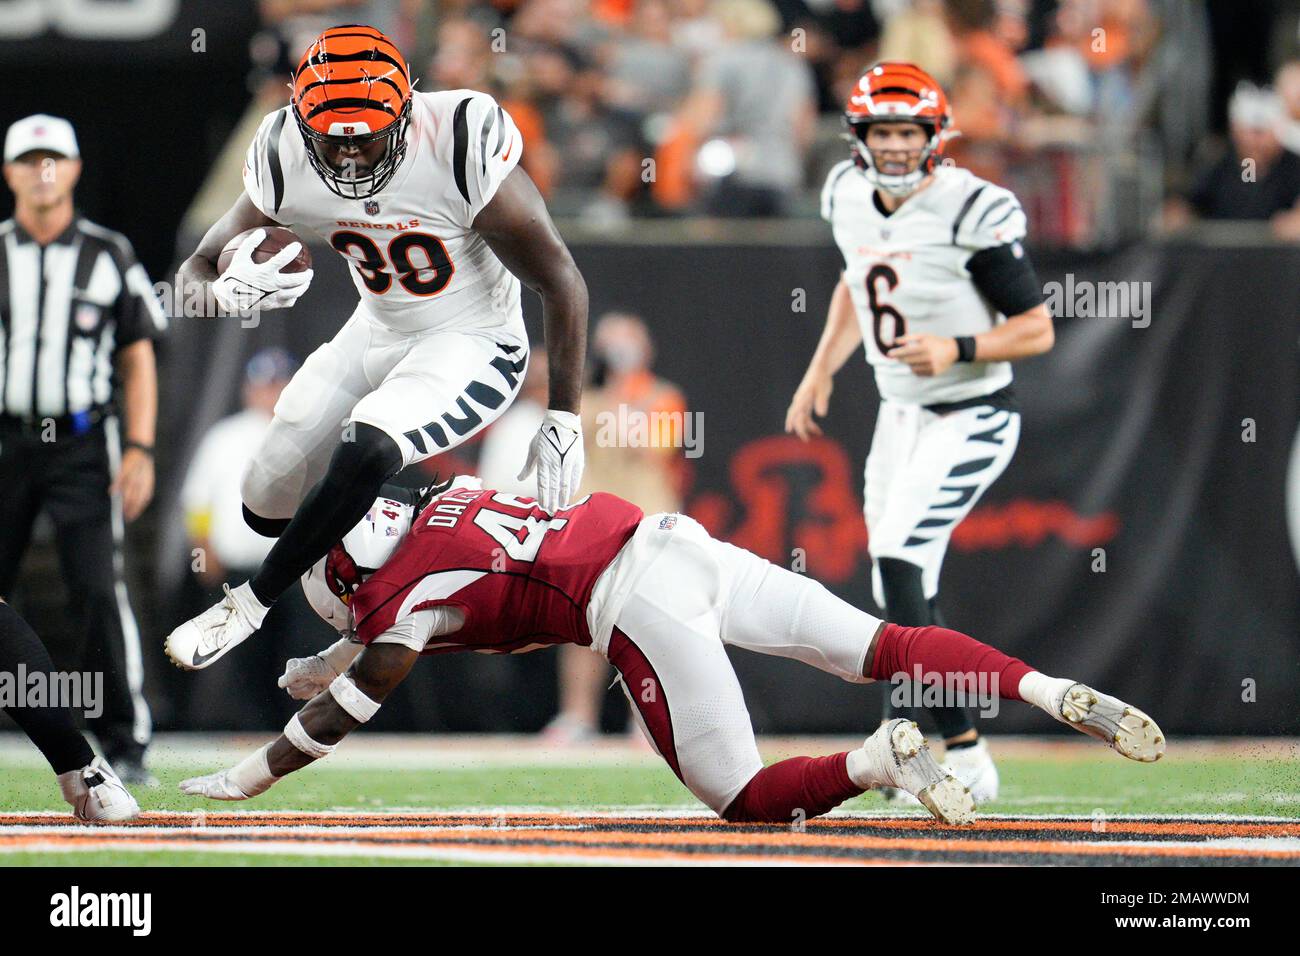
(833, 179)
(265, 161)
(988, 216)
(486, 144)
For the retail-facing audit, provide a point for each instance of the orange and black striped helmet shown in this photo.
(351, 89)
(898, 93)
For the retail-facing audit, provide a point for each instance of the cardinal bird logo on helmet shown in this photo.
(352, 103)
(898, 93)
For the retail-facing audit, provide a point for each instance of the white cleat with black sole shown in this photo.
(903, 761)
(1122, 727)
(204, 640)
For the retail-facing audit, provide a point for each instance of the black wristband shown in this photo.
(139, 446)
(965, 348)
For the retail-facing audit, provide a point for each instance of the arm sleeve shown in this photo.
(486, 146)
(1005, 276)
(137, 312)
(264, 167)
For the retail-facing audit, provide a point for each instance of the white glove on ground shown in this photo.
(247, 285)
(556, 452)
(248, 778)
(215, 786)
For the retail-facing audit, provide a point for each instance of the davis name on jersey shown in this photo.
(412, 250)
(906, 272)
(522, 578)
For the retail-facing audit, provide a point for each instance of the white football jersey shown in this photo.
(412, 250)
(907, 272)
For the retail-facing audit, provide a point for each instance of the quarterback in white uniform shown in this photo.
(423, 196)
(937, 287)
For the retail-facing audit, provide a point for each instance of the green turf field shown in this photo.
(1217, 785)
(1079, 780)
(1084, 780)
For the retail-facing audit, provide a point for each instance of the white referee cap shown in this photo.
(40, 132)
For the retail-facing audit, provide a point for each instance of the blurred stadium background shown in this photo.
(1140, 540)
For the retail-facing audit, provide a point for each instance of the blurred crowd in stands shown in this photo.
(1095, 111)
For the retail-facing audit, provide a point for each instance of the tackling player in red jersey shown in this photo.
(481, 570)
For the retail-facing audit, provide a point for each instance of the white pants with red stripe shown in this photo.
(663, 613)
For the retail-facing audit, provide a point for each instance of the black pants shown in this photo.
(68, 479)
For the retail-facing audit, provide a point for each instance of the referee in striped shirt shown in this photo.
(77, 322)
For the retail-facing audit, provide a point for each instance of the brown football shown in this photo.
(277, 237)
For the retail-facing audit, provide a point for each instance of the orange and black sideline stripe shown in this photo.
(847, 840)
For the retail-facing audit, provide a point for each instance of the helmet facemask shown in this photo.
(895, 92)
(899, 185)
(347, 182)
(351, 90)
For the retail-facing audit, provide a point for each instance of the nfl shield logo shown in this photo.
(372, 207)
(86, 317)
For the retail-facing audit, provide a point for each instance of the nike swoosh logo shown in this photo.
(201, 659)
(554, 437)
(239, 287)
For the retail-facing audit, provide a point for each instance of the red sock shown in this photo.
(944, 655)
(811, 784)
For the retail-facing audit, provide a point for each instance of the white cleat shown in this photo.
(97, 795)
(903, 760)
(204, 640)
(1125, 729)
(974, 767)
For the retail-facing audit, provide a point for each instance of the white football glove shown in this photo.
(217, 786)
(305, 677)
(247, 285)
(248, 778)
(556, 453)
